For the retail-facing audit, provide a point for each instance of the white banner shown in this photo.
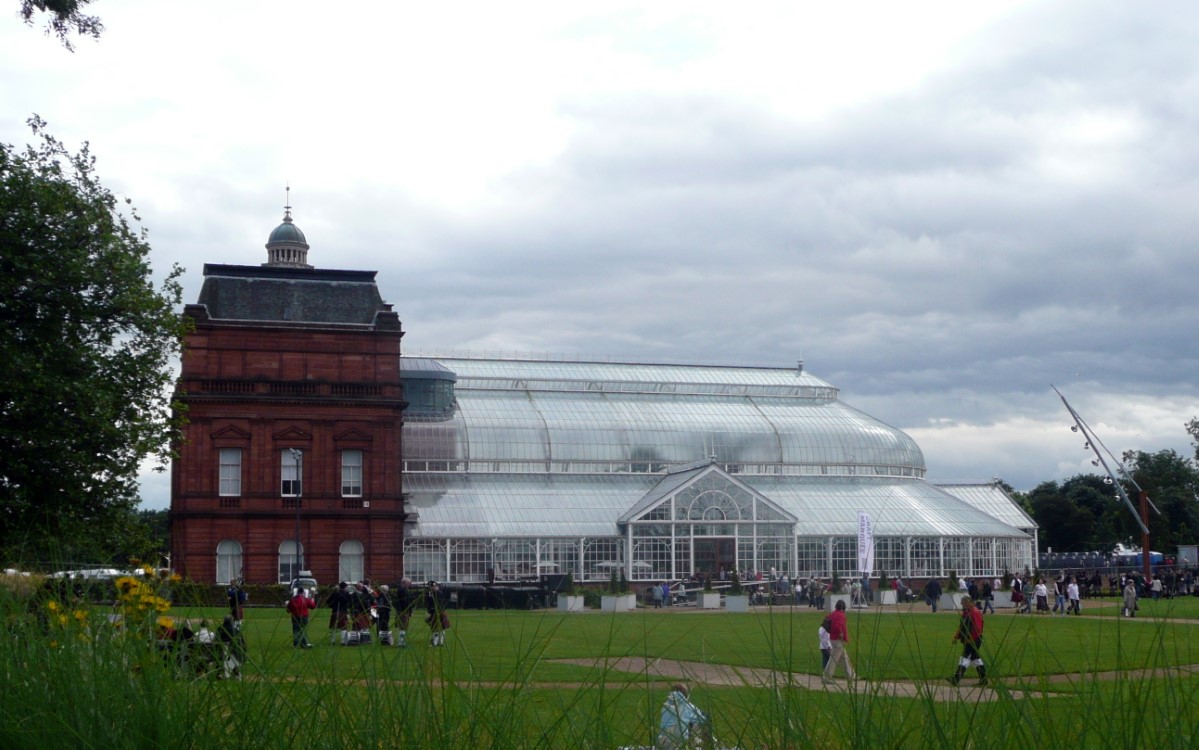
(865, 543)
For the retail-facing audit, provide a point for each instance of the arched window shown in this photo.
(228, 561)
(290, 555)
(350, 561)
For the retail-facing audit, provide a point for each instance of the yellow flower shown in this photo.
(166, 622)
(63, 619)
(53, 644)
(80, 615)
(52, 605)
(176, 578)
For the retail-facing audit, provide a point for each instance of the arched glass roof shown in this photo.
(588, 417)
(539, 448)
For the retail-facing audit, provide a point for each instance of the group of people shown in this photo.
(833, 637)
(199, 650)
(355, 609)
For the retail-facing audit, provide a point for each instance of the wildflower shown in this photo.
(79, 615)
(52, 605)
(63, 620)
(176, 578)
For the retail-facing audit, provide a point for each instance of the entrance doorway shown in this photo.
(712, 556)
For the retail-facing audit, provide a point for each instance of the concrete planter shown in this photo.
(708, 600)
(950, 601)
(1003, 599)
(888, 597)
(618, 602)
(570, 603)
(830, 601)
(736, 603)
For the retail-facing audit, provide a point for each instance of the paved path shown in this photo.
(725, 675)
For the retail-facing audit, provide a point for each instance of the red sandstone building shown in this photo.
(291, 379)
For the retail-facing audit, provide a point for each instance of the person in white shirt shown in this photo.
(1041, 591)
(826, 646)
(1072, 595)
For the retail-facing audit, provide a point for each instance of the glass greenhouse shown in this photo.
(519, 467)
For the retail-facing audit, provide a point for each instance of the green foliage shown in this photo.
(613, 583)
(1171, 481)
(86, 347)
(65, 16)
(568, 586)
(1192, 428)
(622, 583)
(542, 679)
(735, 583)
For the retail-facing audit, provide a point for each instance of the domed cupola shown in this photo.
(286, 246)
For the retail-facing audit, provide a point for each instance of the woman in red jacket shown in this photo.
(838, 633)
(970, 633)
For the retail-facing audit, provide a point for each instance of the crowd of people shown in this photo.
(355, 610)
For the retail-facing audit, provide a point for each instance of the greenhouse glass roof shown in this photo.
(541, 447)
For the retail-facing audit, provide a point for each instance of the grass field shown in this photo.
(551, 680)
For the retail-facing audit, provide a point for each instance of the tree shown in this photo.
(65, 16)
(1063, 524)
(86, 344)
(1171, 481)
(1193, 430)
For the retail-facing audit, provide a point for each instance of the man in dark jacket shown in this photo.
(339, 607)
(403, 603)
(383, 610)
(932, 592)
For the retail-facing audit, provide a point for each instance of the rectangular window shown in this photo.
(292, 472)
(351, 473)
(230, 472)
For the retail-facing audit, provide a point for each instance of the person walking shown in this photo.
(1130, 598)
(988, 598)
(932, 593)
(299, 606)
(1042, 593)
(1059, 595)
(437, 618)
(970, 633)
(1020, 597)
(680, 720)
(826, 645)
(1072, 594)
(838, 633)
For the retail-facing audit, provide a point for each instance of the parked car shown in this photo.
(303, 582)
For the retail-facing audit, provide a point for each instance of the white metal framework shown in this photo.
(518, 467)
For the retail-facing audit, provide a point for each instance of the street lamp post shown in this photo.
(298, 455)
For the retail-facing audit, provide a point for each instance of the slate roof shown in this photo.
(300, 295)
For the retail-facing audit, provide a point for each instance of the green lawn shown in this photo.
(499, 682)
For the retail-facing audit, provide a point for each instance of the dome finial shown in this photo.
(287, 203)
(287, 246)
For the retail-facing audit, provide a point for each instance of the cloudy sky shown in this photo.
(942, 208)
